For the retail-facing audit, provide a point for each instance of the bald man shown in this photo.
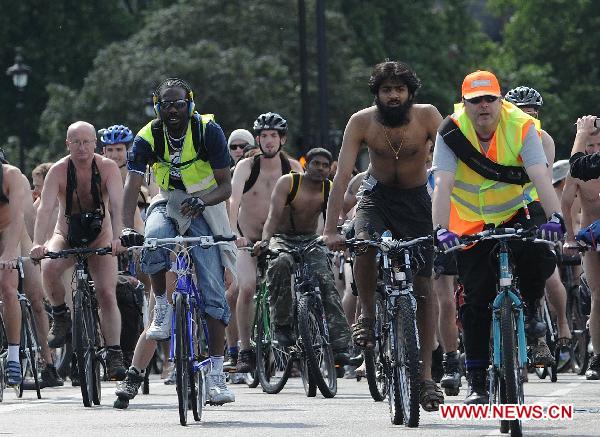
(89, 190)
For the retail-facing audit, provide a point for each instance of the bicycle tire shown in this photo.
(182, 364)
(273, 362)
(316, 346)
(251, 378)
(81, 344)
(391, 374)
(580, 335)
(3, 349)
(196, 382)
(407, 368)
(374, 357)
(308, 382)
(512, 381)
(28, 348)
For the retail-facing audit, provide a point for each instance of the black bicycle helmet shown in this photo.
(270, 121)
(524, 96)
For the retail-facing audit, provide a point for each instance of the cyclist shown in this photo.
(585, 166)
(81, 182)
(492, 132)
(394, 197)
(292, 222)
(238, 140)
(530, 102)
(190, 161)
(252, 184)
(588, 192)
(11, 228)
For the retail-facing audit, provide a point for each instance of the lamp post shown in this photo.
(149, 106)
(19, 73)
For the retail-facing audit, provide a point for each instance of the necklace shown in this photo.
(170, 139)
(389, 142)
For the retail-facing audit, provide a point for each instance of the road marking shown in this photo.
(554, 396)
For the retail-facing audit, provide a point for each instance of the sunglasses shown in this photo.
(177, 104)
(477, 100)
(237, 146)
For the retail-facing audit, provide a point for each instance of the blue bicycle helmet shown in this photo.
(116, 134)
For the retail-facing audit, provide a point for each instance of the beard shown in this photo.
(270, 155)
(393, 116)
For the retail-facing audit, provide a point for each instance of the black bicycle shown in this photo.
(312, 349)
(86, 336)
(394, 362)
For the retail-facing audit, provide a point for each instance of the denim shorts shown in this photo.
(209, 268)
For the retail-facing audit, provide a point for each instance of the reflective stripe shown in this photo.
(471, 188)
(464, 203)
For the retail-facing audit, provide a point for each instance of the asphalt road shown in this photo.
(351, 413)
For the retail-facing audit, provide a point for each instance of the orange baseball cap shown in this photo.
(480, 83)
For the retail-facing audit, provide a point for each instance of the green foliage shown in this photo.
(242, 61)
(548, 45)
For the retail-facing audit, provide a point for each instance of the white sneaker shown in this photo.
(160, 328)
(218, 392)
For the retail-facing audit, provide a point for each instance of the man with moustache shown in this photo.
(253, 182)
(396, 131)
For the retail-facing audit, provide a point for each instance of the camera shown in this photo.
(93, 220)
(597, 123)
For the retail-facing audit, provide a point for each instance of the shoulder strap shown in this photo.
(158, 134)
(286, 167)
(3, 197)
(254, 171)
(294, 188)
(97, 188)
(477, 162)
(326, 189)
(71, 186)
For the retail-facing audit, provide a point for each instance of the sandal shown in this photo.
(431, 395)
(363, 332)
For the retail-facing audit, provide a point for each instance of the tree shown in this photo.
(241, 61)
(546, 45)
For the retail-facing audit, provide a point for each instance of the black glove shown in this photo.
(130, 237)
(195, 206)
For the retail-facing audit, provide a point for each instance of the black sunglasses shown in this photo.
(237, 146)
(477, 100)
(177, 104)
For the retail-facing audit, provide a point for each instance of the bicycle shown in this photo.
(396, 353)
(86, 337)
(189, 330)
(312, 349)
(3, 356)
(508, 348)
(29, 349)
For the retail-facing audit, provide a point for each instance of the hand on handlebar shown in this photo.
(38, 251)
(554, 229)
(334, 241)
(130, 237)
(259, 247)
(445, 239)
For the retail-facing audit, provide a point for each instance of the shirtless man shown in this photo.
(11, 228)
(588, 139)
(395, 196)
(293, 220)
(95, 179)
(252, 185)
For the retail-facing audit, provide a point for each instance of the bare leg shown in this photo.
(104, 272)
(12, 311)
(245, 304)
(349, 299)
(443, 288)
(557, 298)
(591, 266)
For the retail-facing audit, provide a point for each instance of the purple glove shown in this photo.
(446, 239)
(554, 229)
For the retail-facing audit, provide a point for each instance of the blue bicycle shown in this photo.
(189, 330)
(508, 342)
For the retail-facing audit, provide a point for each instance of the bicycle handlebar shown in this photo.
(65, 253)
(204, 240)
(388, 245)
(500, 234)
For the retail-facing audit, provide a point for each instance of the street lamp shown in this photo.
(19, 73)
(149, 106)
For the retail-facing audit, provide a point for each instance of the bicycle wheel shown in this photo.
(28, 348)
(273, 362)
(3, 349)
(316, 346)
(196, 372)
(308, 382)
(82, 343)
(510, 366)
(182, 363)
(251, 378)
(407, 360)
(580, 335)
(374, 357)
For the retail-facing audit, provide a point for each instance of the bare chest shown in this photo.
(406, 144)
